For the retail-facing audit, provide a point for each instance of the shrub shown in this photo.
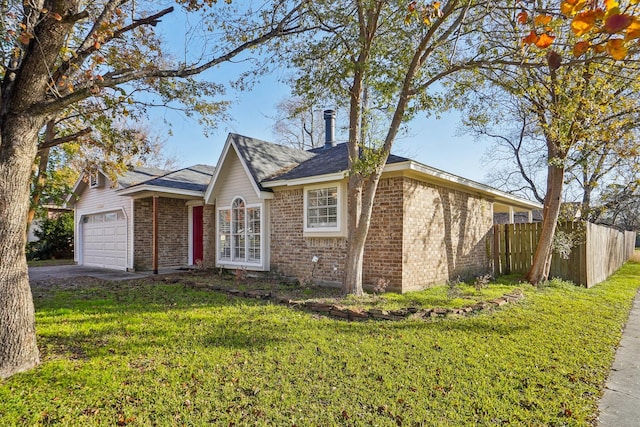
(55, 238)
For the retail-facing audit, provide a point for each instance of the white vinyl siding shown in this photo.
(234, 181)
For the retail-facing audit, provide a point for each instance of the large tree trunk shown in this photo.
(352, 283)
(360, 211)
(539, 271)
(18, 349)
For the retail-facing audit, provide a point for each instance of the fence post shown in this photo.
(507, 249)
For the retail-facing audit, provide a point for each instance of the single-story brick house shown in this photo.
(114, 222)
(278, 209)
(272, 208)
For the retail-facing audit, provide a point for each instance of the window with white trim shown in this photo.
(239, 233)
(224, 234)
(322, 211)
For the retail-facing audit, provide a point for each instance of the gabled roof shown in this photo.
(324, 161)
(272, 165)
(138, 175)
(132, 177)
(265, 159)
(191, 179)
(259, 159)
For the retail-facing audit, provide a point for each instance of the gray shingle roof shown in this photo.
(193, 178)
(138, 175)
(266, 159)
(325, 161)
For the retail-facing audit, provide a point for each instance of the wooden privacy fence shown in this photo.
(597, 251)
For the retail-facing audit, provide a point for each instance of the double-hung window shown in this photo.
(322, 209)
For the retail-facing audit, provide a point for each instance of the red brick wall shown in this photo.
(173, 233)
(383, 250)
(445, 234)
(291, 252)
(420, 235)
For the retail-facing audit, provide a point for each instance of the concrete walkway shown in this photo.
(37, 274)
(620, 404)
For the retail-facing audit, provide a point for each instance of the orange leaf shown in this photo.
(617, 49)
(56, 16)
(616, 23)
(571, 7)
(581, 48)
(633, 30)
(611, 4)
(583, 22)
(522, 17)
(545, 41)
(412, 6)
(531, 38)
(542, 20)
(96, 45)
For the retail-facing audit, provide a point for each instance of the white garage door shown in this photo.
(104, 240)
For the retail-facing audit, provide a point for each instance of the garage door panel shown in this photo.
(105, 240)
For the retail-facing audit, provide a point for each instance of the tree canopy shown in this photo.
(59, 57)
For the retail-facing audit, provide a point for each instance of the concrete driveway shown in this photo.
(37, 274)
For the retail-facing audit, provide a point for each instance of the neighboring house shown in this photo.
(114, 222)
(278, 209)
(517, 217)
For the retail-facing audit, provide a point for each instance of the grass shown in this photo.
(144, 353)
(49, 262)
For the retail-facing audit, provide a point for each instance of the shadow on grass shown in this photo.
(147, 318)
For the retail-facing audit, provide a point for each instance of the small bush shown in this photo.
(55, 239)
(482, 282)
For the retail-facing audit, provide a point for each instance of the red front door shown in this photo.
(196, 244)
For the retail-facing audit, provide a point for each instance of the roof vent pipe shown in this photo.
(329, 128)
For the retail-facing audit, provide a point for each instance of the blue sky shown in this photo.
(431, 141)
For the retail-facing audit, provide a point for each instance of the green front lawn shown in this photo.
(166, 354)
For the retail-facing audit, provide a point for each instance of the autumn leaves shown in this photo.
(599, 27)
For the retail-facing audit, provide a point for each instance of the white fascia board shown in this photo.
(338, 176)
(264, 195)
(132, 191)
(499, 196)
(216, 172)
(74, 192)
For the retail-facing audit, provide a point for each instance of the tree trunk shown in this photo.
(356, 237)
(41, 173)
(18, 145)
(360, 211)
(38, 184)
(539, 271)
